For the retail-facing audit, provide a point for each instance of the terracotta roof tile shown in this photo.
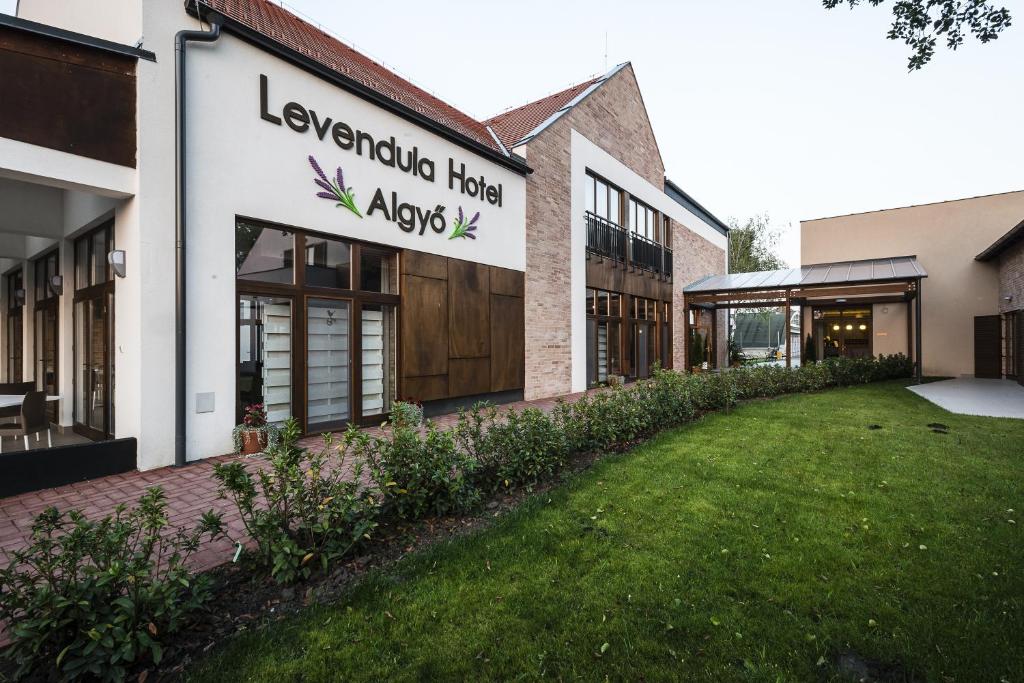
(284, 27)
(513, 125)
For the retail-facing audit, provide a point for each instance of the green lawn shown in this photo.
(779, 542)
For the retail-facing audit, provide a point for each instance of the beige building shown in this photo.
(962, 329)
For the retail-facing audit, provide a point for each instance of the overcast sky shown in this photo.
(779, 107)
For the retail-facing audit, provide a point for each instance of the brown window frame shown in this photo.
(299, 293)
(14, 280)
(94, 291)
(593, 179)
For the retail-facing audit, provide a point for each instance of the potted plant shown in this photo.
(254, 435)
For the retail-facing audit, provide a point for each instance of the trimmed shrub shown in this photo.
(523, 449)
(307, 509)
(420, 475)
(94, 598)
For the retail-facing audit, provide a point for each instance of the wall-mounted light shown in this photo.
(1008, 298)
(56, 283)
(840, 301)
(116, 260)
(19, 297)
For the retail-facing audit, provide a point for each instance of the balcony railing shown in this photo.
(605, 238)
(646, 253)
(612, 241)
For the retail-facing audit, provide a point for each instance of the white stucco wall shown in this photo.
(242, 165)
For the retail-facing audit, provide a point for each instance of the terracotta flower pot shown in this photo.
(253, 441)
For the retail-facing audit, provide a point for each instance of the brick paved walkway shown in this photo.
(190, 491)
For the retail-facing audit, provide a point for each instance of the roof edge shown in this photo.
(1009, 239)
(544, 125)
(693, 206)
(910, 206)
(512, 162)
(83, 39)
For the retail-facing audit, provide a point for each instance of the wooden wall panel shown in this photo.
(605, 274)
(425, 265)
(67, 97)
(425, 388)
(469, 376)
(508, 343)
(507, 282)
(469, 306)
(462, 331)
(424, 330)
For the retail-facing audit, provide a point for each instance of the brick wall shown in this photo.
(614, 118)
(1011, 278)
(693, 257)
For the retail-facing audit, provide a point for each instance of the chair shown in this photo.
(33, 420)
(14, 388)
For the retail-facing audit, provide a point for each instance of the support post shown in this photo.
(686, 335)
(786, 331)
(714, 339)
(917, 333)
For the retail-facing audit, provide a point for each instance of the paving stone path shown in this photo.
(190, 490)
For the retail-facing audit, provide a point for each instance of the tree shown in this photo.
(920, 23)
(753, 246)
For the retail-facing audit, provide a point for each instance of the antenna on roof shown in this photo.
(606, 51)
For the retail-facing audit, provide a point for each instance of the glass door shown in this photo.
(93, 405)
(46, 352)
(328, 364)
(843, 332)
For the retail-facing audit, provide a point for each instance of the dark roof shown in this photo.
(838, 273)
(77, 38)
(282, 27)
(693, 206)
(1015, 235)
(519, 125)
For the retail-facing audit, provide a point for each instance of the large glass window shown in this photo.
(264, 253)
(45, 328)
(328, 263)
(641, 219)
(604, 335)
(379, 367)
(265, 354)
(378, 270)
(326, 358)
(602, 198)
(93, 342)
(328, 364)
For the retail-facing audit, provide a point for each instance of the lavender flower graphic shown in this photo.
(464, 228)
(334, 189)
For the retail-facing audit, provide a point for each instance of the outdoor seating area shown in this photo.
(24, 414)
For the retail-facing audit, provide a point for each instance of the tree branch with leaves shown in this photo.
(920, 23)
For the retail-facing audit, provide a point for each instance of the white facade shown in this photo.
(239, 164)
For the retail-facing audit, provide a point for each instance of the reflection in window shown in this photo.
(379, 357)
(263, 253)
(328, 263)
(378, 270)
(264, 355)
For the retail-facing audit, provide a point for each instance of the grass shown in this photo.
(783, 541)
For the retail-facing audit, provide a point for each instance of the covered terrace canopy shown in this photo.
(881, 280)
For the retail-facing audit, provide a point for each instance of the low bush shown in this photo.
(95, 598)
(521, 450)
(307, 508)
(420, 474)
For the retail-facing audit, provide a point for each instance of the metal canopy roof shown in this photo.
(870, 271)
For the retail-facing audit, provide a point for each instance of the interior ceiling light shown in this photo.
(849, 327)
(863, 327)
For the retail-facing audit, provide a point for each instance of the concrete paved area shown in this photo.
(971, 396)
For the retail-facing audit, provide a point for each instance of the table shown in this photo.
(10, 400)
